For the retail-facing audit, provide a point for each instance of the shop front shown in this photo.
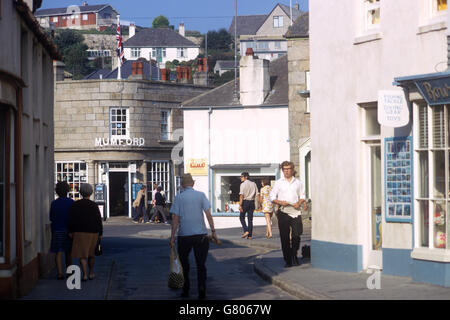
(117, 182)
(429, 97)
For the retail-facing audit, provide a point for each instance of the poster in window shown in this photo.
(398, 179)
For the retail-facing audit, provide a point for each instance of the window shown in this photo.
(159, 52)
(441, 5)
(278, 21)
(55, 19)
(262, 45)
(2, 178)
(74, 173)
(85, 17)
(135, 52)
(432, 155)
(277, 45)
(181, 52)
(165, 124)
(160, 173)
(118, 120)
(372, 13)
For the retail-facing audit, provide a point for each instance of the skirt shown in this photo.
(60, 242)
(84, 244)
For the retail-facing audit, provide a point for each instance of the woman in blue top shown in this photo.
(59, 213)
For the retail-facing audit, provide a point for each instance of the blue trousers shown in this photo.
(248, 206)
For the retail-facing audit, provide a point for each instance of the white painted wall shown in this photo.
(171, 54)
(238, 136)
(348, 66)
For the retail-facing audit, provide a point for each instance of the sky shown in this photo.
(197, 15)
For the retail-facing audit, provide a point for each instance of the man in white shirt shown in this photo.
(289, 194)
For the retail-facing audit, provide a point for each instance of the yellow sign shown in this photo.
(197, 167)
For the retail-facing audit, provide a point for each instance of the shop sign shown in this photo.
(197, 167)
(392, 108)
(435, 91)
(129, 142)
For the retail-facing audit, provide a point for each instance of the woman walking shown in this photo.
(267, 206)
(59, 214)
(85, 227)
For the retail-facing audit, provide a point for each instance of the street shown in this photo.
(135, 266)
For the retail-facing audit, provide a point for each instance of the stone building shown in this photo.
(297, 39)
(26, 147)
(120, 134)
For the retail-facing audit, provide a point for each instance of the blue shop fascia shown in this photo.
(426, 148)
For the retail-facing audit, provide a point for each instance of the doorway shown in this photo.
(118, 195)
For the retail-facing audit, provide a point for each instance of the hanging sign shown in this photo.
(392, 108)
(197, 167)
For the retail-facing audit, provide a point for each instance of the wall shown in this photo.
(265, 131)
(82, 110)
(348, 67)
(267, 28)
(299, 118)
(24, 58)
(171, 54)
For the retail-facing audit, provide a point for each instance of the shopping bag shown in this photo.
(176, 278)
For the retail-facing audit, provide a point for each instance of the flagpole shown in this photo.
(119, 75)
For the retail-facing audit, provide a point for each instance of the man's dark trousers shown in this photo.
(248, 206)
(200, 244)
(285, 224)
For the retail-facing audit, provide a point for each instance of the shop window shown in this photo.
(74, 173)
(160, 173)
(2, 179)
(372, 12)
(135, 52)
(119, 124)
(278, 21)
(432, 156)
(165, 125)
(226, 197)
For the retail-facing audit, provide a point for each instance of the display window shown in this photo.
(226, 197)
(160, 173)
(74, 173)
(432, 158)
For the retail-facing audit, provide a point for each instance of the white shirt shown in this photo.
(289, 191)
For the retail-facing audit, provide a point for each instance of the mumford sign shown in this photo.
(124, 142)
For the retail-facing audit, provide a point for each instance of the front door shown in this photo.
(118, 184)
(375, 253)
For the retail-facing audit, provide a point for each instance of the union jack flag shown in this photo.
(120, 52)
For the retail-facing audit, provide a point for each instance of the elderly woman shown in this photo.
(85, 227)
(59, 214)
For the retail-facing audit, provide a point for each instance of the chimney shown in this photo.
(137, 68)
(254, 79)
(58, 70)
(297, 6)
(181, 30)
(132, 30)
(85, 3)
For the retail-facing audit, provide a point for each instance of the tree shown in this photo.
(160, 22)
(74, 52)
(218, 40)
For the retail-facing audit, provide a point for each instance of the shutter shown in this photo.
(438, 127)
(423, 127)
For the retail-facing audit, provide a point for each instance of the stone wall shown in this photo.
(298, 63)
(82, 110)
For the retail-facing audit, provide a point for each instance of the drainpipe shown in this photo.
(209, 157)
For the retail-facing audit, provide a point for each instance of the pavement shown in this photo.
(303, 282)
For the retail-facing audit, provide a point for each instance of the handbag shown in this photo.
(176, 278)
(98, 248)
